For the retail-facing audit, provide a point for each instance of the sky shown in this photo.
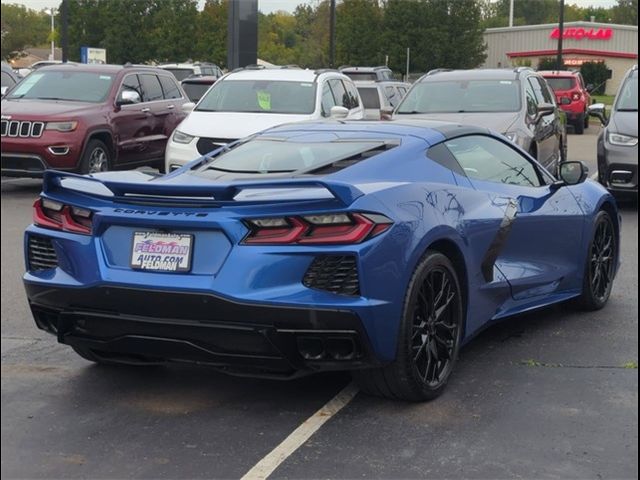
(268, 6)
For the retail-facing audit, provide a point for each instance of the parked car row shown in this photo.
(123, 117)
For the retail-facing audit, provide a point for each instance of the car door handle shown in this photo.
(145, 110)
(171, 107)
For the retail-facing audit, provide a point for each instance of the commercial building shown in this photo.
(615, 45)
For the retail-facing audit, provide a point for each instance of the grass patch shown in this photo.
(631, 365)
(606, 99)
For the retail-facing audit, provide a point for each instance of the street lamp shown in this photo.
(52, 11)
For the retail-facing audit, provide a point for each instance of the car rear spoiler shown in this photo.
(145, 189)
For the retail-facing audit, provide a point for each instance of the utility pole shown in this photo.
(511, 13)
(559, 62)
(64, 30)
(332, 34)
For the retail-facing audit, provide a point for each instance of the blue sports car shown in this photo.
(378, 248)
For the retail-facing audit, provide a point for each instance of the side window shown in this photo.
(488, 159)
(327, 100)
(403, 91)
(339, 92)
(131, 83)
(206, 70)
(441, 154)
(151, 88)
(352, 94)
(392, 96)
(540, 89)
(7, 81)
(170, 88)
(530, 98)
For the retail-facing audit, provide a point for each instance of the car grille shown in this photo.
(16, 128)
(22, 163)
(41, 253)
(333, 273)
(206, 145)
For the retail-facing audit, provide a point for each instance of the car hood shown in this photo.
(233, 125)
(499, 122)
(23, 108)
(625, 123)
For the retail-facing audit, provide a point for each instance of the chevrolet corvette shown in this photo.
(374, 247)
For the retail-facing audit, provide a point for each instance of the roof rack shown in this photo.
(437, 70)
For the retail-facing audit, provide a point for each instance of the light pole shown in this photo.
(52, 55)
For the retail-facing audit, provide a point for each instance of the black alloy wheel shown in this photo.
(429, 337)
(601, 264)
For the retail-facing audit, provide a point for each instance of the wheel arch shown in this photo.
(105, 136)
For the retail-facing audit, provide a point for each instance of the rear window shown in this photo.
(561, 83)
(370, 97)
(260, 96)
(275, 156)
(195, 91)
(463, 96)
(359, 76)
(67, 85)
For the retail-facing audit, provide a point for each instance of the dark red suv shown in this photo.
(89, 118)
(572, 96)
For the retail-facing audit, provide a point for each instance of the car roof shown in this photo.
(557, 73)
(96, 67)
(292, 74)
(474, 74)
(363, 69)
(431, 131)
(207, 79)
(380, 83)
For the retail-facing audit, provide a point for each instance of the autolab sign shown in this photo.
(93, 55)
(583, 33)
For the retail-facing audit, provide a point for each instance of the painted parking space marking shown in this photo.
(300, 435)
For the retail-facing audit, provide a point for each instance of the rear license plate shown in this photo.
(161, 252)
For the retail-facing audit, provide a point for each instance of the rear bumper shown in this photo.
(249, 339)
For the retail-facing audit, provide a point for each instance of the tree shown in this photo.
(625, 12)
(22, 28)
(172, 30)
(596, 74)
(211, 42)
(358, 24)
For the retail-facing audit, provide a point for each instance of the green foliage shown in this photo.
(358, 24)
(596, 74)
(521, 62)
(547, 63)
(626, 12)
(22, 28)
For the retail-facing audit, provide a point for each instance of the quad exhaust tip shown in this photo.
(327, 348)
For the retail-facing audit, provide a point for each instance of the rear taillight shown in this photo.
(575, 96)
(323, 229)
(55, 215)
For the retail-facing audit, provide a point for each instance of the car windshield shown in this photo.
(628, 97)
(180, 73)
(67, 85)
(277, 156)
(561, 83)
(462, 96)
(370, 97)
(195, 91)
(260, 96)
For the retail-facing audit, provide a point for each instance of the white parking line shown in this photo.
(300, 435)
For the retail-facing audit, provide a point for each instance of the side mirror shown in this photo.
(545, 109)
(589, 87)
(128, 97)
(599, 111)
(386, 113)
(3, 90)
(573, 173)
(188, 107)
(338, 112)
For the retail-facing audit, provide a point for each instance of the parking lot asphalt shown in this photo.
(551, 394)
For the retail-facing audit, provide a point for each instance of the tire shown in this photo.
(600, 264)
(413, 375)
(96, 158)
(114, 359)
(586, 120)
(579, 125)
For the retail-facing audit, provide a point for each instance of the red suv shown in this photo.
(89, 118)
(572, 95)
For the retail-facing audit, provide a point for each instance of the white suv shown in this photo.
(253, 99)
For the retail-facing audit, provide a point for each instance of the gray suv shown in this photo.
(618, 140)
(515, 102)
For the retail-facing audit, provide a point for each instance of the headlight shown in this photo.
(512, 136)
(180, 137)
(61, 126)
(622, 140)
